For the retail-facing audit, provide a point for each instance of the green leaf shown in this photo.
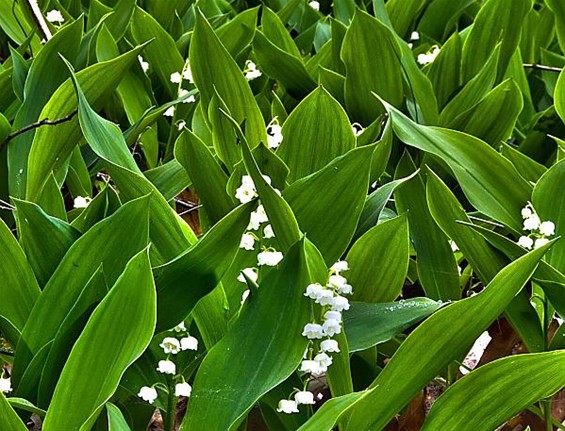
(9, 417)
(53, 145)
(386, 245)
(102, 353)
(19, 289)
(367, 324)
(315, 133)
(559, 96)
(46, 74)
(207, 175)
(228, 385)
(494, 118)
(402, 13)
(314, 197)
(182, 282)
(485, 261)
(521, 379)
(558, 9)
(445, 71)
(238, 33)
(472, 93)
(116, 420)
(38, 231)
(162, 53)
(372, 62)
(169, 234)
(549, 202)
(442, 338)
(497, 20)
(112, 242)
(63, 341)
(490, 182)
(286, 68)
(23, 404)
(375, 204)
(437, 268)
(214, 70)
(440, 16)
(528, 167)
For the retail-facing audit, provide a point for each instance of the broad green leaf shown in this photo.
(375, 204)
(485, 261)
(313, 197)
(437, 268)
(19, 289)
(372, 63)
(386, 245)
(169, 178)
(8, 417)
(23, 404)
(315, 133)
(161, 54)
(440, 16)
(444, 337)
(116, 419)
(421, 100)
(528, 167)
(238, 33)
(273, 28)
(182, 282)
(47, 73)
(228, 385)
(53, 145)
(282, 66)
(367, 324)
(494, 117)
(490, 182)
(111, 242)
(119, 20)
(38, 232)
(472, 93)
(102, 353)
(559, 96)
(497, 20)
(402, 13)
(558, 9)
(445, 71)
(549, 202)
(214, 70)
(67, 333)
(169, 234)
(521, 380)
(207, 175)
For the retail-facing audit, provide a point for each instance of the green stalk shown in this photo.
(171, 410)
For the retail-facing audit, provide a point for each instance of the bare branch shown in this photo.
(44, 122)
(542, 67)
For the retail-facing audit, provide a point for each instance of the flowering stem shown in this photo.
(171, 410)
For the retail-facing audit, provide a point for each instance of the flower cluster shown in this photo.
(5, 385)
(274, 134)
(250, 71)
(429, 56)
(539, 230)
(258, 230)
(177, 78)
(317, 360)
(81, 202)
(55, 16)
(172, 346)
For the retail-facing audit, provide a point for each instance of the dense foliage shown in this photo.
(282, 215)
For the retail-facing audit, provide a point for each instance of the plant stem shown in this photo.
(171, 410)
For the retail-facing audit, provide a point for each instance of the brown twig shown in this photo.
(44, 122)
(38, 18)
(542, 67)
